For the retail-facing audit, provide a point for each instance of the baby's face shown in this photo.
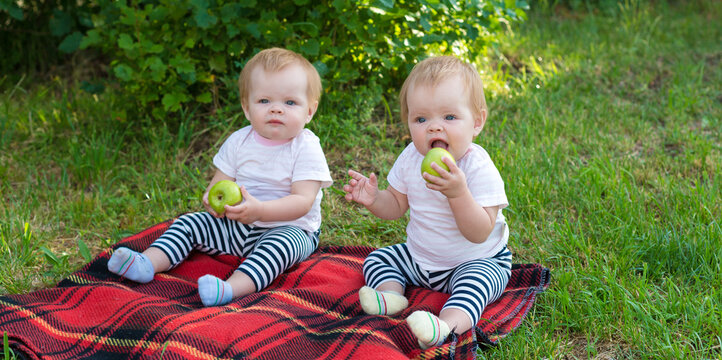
(440, 116)
(278, 106)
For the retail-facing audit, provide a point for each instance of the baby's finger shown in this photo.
(430, 179)
(373, 180)
(355, 175)
(442, 172)
(433, 186)
(450, 163)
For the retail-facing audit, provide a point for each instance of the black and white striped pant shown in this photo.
(268, 251)
(472, 285)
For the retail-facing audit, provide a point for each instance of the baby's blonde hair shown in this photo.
(433, 70)
(276, 59)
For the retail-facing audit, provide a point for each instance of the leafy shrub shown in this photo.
(37, 34)
(168, 54)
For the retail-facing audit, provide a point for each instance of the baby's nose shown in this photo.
(435, 126)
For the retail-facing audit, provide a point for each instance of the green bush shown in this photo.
(37, 34)
(168, 55)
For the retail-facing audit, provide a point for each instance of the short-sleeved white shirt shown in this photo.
(267, 171)
(433, 238)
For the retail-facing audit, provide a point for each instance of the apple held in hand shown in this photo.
(224, 192)
(434, 156)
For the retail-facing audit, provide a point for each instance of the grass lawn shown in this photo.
(606, 129)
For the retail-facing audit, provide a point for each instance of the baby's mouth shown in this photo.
(439, 144)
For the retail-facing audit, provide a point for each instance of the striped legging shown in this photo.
(472, 285)
(268, 251)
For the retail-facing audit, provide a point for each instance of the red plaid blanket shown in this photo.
(310, 312)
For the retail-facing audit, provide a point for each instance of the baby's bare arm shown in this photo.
(387, 204)
(474, 221)
(289, 207)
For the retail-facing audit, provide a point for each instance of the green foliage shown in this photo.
(605, 129)
(604, 6)
(169, 55)
(38, 34)
(18, 253)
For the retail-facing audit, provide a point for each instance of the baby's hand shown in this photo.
(248, 211)
(208, 207)
(361, 189)
(451, 183)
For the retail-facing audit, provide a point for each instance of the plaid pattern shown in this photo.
(309, 312)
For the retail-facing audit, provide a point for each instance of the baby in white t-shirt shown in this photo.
(456, 235)
(281, 169)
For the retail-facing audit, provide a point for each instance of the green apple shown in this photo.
(434, 156)
(224, 192)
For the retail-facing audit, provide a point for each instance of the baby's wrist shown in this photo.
(261, 210)
(458, 193)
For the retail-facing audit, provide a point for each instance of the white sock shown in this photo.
(381, 302)
(428, 328)
(131, 265)
(214, 291)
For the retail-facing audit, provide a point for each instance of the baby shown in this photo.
(456, 235)
(281, 169)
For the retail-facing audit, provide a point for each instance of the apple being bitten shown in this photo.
(224, 192)
(434, 155)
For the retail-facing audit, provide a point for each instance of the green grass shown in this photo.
(605, 127)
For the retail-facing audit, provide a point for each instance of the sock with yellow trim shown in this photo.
(428, 328)
(131, 265)
(381, 302)
(214, 291)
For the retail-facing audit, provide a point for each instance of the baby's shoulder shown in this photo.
(240, 135)
(476, 155)
(477, 163)
(409, 153)
(307, 135)
(306, 143)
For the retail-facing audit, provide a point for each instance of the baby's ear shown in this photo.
(479, 122)
(245, 111)
(311, 111)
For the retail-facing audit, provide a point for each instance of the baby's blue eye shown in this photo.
(263, 101)
(420, 120)
(290, 102)
(450, 117)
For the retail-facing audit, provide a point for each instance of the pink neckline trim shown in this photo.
(268, 142)
(466, 152)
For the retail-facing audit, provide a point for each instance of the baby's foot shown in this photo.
(428, 329)
(381, 302)
(214, 291)
(131, 265)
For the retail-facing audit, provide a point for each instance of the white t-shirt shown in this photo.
(267, 171)
(433, 238)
